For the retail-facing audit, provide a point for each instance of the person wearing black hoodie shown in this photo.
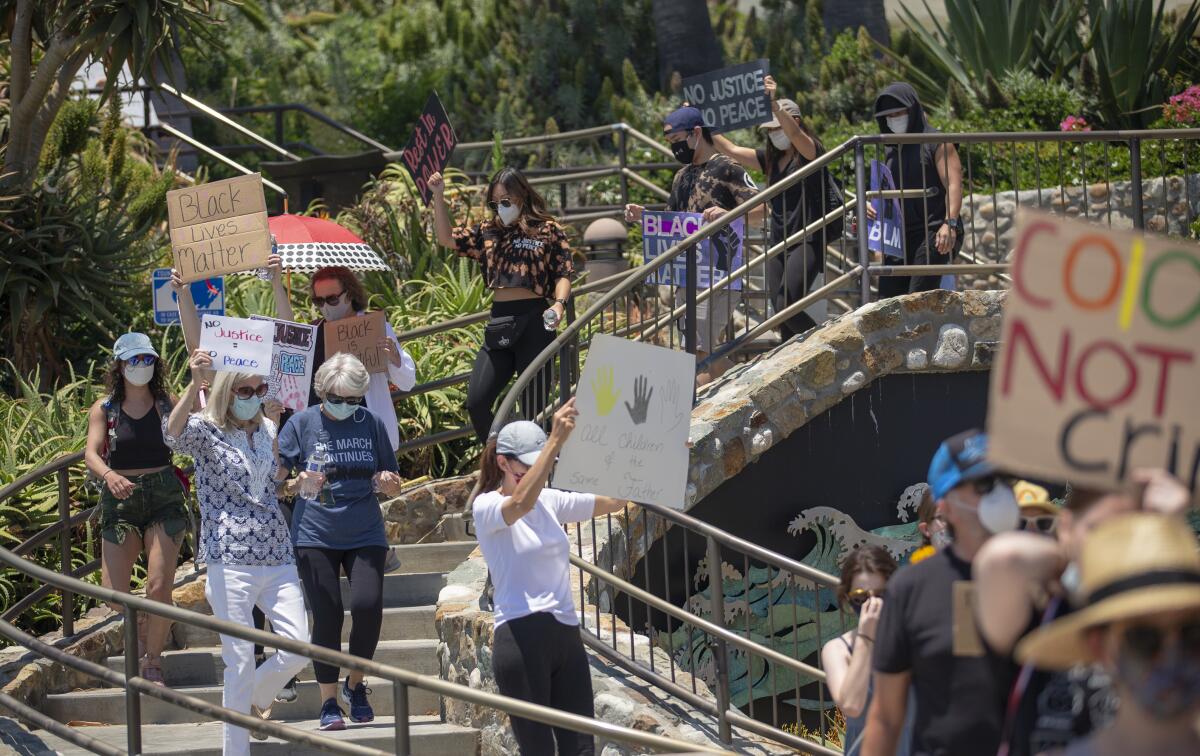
(933, 231)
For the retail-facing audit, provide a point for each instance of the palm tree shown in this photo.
(687, 44)
(851, 14)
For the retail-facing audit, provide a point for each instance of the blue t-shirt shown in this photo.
(349, 517)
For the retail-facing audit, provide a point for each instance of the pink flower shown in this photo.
(1074, 123)
(1183, 107)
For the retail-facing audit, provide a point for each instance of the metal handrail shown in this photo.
(181, 136)
(217, 116)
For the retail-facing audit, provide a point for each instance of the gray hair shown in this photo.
(342, 374)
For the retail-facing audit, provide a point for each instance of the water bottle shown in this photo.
(317, 462)
(550, 319)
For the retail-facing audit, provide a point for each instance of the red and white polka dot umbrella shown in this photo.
(306, 244)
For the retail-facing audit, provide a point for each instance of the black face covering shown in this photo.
(682, 152)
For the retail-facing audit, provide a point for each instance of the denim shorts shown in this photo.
(157, 498)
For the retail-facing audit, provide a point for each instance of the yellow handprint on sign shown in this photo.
(602, 387)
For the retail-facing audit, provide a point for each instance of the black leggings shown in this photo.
(920, 248)
(538, 659)
(320, 570)
(790, 276)
(494, 367)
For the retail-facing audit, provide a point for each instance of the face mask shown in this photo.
(508, 214)
(941, 539)
(779, 139)
(139, 375)
(898, 124)
(339, 411)
(997, 511)
(683, 151)
(1164, 688)
(246, 409)
(1070, 579)
(342, 309)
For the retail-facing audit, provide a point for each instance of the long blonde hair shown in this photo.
(220, 398)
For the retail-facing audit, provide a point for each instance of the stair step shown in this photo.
(413, 589)
(432, 557)
(398, 622)
(429, 736)
(204, 666)
(107, 705)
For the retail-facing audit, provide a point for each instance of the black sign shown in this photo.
(731, 98)
(428, 151)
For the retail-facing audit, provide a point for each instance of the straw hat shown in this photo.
(1033, 499)
(1133, 565)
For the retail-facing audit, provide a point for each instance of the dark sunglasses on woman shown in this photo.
(1039, 524)
(860, 596)
(1146, 642)
(245, 392)
(505, 203)
(141, 359)
(335, 399)
(331, 300)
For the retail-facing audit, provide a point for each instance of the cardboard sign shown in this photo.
(731, 98)
(1098, 369)
(359, 335)
(715, 256)
(886, 233)
(208, 295)
(237, 345)
(428, 150)
(292, 353)
(635, 409)
(219, 228)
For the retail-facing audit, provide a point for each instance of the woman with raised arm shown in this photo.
(538, 655)
(525, 260)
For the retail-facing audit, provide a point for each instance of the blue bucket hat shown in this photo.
(683, 119)
(131, 344)
(960, 459)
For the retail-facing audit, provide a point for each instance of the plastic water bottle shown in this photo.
(317, 462)
(550, 319)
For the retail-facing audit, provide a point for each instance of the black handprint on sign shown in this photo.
(641, 400)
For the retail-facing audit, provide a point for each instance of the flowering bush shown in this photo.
(1074, 123)
(1184, 108)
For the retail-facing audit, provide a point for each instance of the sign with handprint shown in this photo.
(630, 439)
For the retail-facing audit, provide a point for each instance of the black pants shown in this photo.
(320, 570)
(790, 277)
(539, 659)
(494, 367)
(920, 248)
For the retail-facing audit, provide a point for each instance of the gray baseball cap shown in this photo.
(522, 439)
(131, 344)
(785, 105)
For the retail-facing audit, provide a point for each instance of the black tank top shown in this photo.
(914, 166)
(139, 443)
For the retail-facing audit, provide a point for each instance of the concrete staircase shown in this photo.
(408, 640)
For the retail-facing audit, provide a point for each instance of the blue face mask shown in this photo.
(246, 409)
(339, 411)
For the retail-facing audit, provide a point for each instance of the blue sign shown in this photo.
(209, 296)
(715, 257)
(886, 233)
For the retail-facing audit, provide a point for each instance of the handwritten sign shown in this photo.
(219, 228)
(428, 150)
(715, 256)
(237, 345)
(1098, 368)
(635, 409)
(731, 98)
(359, 335)
(292, 352)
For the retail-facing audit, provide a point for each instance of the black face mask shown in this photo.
(682, 152)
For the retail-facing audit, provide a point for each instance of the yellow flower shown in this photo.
(922, 553)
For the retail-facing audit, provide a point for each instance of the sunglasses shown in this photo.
(505, 203)
(330, 300)
(860, 596)
(1146, 642)
(141, 359)
(246, 392)
(335, 399)
(1039, 523)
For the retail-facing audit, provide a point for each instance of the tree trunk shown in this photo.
(851, 14)
(687, 44)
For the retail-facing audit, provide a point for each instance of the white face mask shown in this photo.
(508, 214)
(779, 139)
(898, 124)
(139, 375)
(998, 510)
(342, 309)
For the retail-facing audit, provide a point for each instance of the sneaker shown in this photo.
(331, 715)
(391, 562)
(360, 707)
(288, 693)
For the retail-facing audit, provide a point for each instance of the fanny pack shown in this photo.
(503, 331)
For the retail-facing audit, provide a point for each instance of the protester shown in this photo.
(1038, 513)
(338, 294)
(932, 228)
(1138, 616)
(847, 658)
(708, 183)
(790, 146)
(1023, 579)
(931, 526)
(142, 505)
(244, 539)
(927, 635)
(337, 524)
(525, 260)
(537, 654)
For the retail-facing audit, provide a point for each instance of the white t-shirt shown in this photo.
(529, 559)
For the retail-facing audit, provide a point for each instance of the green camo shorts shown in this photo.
(157, 498)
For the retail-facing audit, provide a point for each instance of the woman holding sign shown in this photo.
(538, 655)
(525, 260)
(244, 538)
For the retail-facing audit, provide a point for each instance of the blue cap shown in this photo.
(683, 119)
(960, 459)
(522, 439)
(131, 344)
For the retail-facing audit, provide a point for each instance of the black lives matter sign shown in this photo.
(428, 150)
(731, 98)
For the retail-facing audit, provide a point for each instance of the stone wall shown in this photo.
(412, 517)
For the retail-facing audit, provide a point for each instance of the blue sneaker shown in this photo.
(360, 707)
(331, 715)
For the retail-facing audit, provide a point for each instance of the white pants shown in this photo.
(232, 592)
